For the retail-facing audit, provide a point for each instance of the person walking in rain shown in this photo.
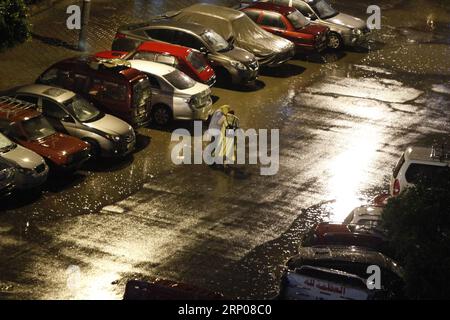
(223, 125)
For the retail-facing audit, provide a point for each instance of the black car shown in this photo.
(7, 176)
(239, 64)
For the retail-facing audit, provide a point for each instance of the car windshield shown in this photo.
(215, 41)
(6, 144)
(83, 110)
(180, 80)
(298, 20)
(141, 93)
(324, 9)
(38, 128)
(197, 61)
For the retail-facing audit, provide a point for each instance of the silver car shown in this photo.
(345, 30)
(71, 114)
(31, 169)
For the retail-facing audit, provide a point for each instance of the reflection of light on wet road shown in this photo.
(349, 170)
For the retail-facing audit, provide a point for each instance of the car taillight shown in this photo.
(396, 190)
(120, 35)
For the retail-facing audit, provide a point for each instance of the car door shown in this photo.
(273, 22)
(57, 116)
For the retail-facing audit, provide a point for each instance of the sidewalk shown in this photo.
(52, 41)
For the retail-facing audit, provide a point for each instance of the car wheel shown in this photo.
(335, 41)
(95, 148)
(161, 115)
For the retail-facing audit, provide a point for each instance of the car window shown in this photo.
(426, 174)
(399, 165)
(180, 80)
(187, 40)
(274, 20)
(83, 110)
(141, 94)
(27, 98)
(252, 14)
(50, 77)
(300, 6)
(166, 59)
(161, 34)
(38, 128)
(197, 61)
(52, 109)
(154, 83)
(114, 91)
(298, 20)
(81, 83)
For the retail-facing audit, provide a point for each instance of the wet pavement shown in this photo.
(344, 119)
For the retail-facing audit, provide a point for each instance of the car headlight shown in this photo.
(112, 137)
(357, 32)
(238, 65)
(25, 171)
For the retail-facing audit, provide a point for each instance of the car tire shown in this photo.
(161, 115)
(335, 41)
(95, 148)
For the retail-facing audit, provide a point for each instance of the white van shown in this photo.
(175, 96)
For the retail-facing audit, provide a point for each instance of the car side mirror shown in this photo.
(66, 118)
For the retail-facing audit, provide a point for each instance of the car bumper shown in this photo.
(24, 182)
(6, 189)
(203, 113)
(245, 77)
(120, 149)
(279, 58)
(353, 40)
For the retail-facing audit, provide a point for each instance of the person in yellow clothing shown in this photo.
(225, 121)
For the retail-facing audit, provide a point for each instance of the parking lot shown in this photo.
(344, 119)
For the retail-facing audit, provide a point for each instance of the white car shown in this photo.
(32, 171)
(416, 164)
(175, 96)
(365, 217)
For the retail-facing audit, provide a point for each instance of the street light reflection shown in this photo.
(350, 170)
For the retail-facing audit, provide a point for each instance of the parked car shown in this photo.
(22, 123)
(418, 164)
(289, 23)
(166, 290)
(353, 260)
(7, 177)
(367, 216)
(345, 30)
(175, 95)
(113, 87)
(240, 65)
(190, 61)
(70, 113)
(346, 235)
(31, 169)
(238, 29)
(313, 283)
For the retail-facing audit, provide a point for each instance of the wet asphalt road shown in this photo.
(344, 119)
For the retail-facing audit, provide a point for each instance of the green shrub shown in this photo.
(418, 224)
(14, 26)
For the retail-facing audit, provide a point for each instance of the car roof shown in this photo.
(154, 68)
(83, 62)
(57, 94)
(269, 6)
(15, 110)
(162, 47)
(415, 153)
(164, 23)
(214, 10)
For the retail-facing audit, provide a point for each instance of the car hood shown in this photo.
(348, 21)
(110, 125)
(269, 45)
(59, 144)
(23, 157)
(240, 55)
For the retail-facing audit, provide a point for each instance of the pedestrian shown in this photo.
(222, 127)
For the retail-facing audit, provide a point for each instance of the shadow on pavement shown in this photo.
(286, 70)
(54, 42)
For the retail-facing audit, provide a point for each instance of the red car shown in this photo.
(289, 23)
(185, 59)
(26, 126)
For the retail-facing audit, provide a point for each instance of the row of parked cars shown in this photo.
(156, 71)
(334, 258)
